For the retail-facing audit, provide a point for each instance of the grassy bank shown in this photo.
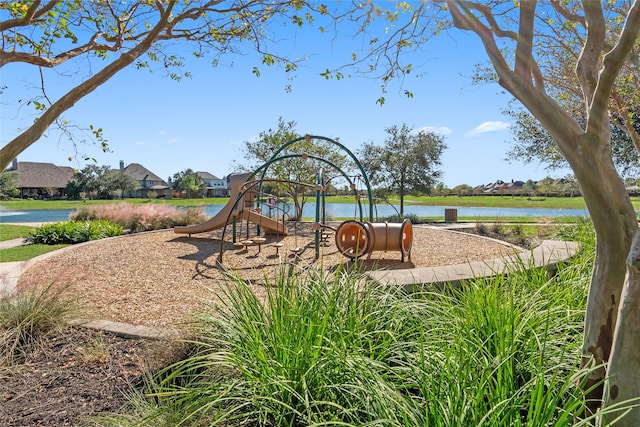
(20, 204)
(470, 201)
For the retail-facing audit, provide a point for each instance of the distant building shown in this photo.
(147, 181)
(41, 180)
(216, 187)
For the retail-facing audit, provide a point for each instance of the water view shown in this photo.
(333, 210)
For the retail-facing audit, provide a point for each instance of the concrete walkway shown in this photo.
(10, 271)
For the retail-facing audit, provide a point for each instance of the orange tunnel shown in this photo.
(355, 238)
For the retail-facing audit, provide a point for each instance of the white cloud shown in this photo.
(140, 143)
(442, 130)
(488, 127)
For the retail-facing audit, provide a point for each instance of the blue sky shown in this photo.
(201, 123)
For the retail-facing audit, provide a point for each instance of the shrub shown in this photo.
(71, 232)
(26, 316)
(136, 218)
(399, 218)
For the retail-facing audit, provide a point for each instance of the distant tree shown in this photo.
(123, 182)
(189, 181)
(295, 169)
(462, 190)
(93, 180)
(406, 163)
(570, 186)
(73, 190)
(529, 188)
(8, 182)
(546, 186)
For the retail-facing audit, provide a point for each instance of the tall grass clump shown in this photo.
(339, 350)
(28, 315)
(136, 218)
(72, 232)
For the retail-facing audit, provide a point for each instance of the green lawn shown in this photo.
(21, 253)
(9, 231)
(474, 201)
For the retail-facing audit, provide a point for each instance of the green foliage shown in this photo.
(332, 350)
(292, 167)
(406, 163)
(27, 315)
(189, 181)
(399, 218)
(8, 182)
(72, 232)
(98, 182)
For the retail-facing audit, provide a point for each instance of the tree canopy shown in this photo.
(531, 47)
(189, 181)
(407, 162)
(105, 37)
(299, 163)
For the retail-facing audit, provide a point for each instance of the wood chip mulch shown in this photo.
(162, 279)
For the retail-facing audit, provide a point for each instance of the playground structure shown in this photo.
(353, 238)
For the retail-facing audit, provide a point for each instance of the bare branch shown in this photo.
(566, 14)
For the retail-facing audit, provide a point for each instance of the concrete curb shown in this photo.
(549, 254)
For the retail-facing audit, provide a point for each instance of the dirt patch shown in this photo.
(73, 374)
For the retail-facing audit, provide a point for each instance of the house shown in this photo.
(148, 182)
(216, 187)
(41, 180)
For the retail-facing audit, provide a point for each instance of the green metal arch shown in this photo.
(272, 160)
(308, 137)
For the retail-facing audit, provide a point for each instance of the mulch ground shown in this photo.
(73, 374)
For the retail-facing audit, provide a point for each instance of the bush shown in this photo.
(399, 218)
(26, 316)
(71, 232)
(136, 218)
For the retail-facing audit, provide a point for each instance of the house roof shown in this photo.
(43, 175)
(140, 173)
(206, 175)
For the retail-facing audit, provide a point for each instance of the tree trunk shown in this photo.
(623, 376)
(614, 222)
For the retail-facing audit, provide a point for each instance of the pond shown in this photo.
(333, 210)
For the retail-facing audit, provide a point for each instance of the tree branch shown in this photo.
(524, 45)
(41, 61)
(613, 62)
(22, 141)
(587, 66)
(32, 13)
